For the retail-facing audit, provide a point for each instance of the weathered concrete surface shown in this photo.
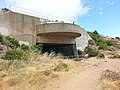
(30, 30)
(58, 27)
(20, 26)
(82, 42)
(59, 33)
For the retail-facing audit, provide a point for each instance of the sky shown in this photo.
(100, 15)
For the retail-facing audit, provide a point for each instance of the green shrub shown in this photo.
(80, 52)
(11, 42)
(110, 43)
(37, 48)
(24, 47)
(15, 55)
(1, 38)
(94, 35)
(88, 49)
(98, 40)
(93, 53)
(102, 45)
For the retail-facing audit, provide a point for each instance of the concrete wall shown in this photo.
(4, 23)
(20, 26)
(23, 28)
(58, 27)
(59, 33)
(82, 42)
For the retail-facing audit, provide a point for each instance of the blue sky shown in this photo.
(103, 17)
(100, 15)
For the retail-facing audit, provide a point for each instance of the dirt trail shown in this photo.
(85, 77)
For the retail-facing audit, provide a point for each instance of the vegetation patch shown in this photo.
(80, 52)
(15, 55)
(11, 42)
(37, 48)
(92, 52)
(1, 38)
(61, 67)
(110, 80)
(47, 72)
(77, 59)
(115, 56)
(101, 42)
(24, 47)
(101, 55)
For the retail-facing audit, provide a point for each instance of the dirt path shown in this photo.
(84, 77)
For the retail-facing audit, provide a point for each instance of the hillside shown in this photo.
(98, 67)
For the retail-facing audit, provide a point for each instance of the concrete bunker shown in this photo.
(58, 38)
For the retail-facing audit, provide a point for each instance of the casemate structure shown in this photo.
(58, 37)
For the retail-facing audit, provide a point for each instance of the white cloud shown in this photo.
(65, 9)
(100, 10)
(100, 13)
(110, 2)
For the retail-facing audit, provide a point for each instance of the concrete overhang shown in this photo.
(63, 28)
(58, 33)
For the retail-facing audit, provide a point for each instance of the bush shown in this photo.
(11, 42)
(37, 48)
(94, 35)
(110, 43)
(24, 47)
(15, 55)
(93, 53)
(102, 45)
(1, 38)
(98, 40)
(80, 52)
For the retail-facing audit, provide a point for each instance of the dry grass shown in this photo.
(110, 80)
(33, 73)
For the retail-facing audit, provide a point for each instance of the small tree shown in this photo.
(95, 32)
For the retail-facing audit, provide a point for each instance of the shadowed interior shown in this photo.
(68, 50)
